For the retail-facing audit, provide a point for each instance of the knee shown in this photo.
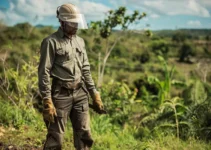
(82, 139)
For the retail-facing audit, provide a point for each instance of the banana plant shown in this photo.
(164, 85)
(173, 104)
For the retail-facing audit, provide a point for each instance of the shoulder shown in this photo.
(48, 42)
(80, 40)
(50, 38)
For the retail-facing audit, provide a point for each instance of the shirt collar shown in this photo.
(60, 32)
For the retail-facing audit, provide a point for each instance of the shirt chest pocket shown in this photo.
(64, 54)
(80, 54)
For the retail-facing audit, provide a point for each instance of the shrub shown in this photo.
(185, 52)
(11, 115)
(160, 48)
(145, 57)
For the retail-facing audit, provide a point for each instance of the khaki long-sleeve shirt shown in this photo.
(63, 59)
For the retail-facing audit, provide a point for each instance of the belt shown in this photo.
(72, 85)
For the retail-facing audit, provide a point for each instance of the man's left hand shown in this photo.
(97, 103)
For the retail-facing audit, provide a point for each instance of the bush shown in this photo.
(119, 101)
(19, 86)
(160, 48)
(11, 115)
(145, 57)
(185, 52)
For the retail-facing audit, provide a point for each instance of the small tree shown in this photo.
(185, 52)
(114, 19)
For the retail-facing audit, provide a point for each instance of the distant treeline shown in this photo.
(189, 32)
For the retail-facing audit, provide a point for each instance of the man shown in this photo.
(64, 59)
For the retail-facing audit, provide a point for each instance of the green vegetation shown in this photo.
(156, 89)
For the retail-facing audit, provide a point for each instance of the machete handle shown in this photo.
(97, 110)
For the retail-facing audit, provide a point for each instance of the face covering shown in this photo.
(69, 28)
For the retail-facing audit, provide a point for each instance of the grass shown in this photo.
(27, 138)
(172, 143)
(107, 136)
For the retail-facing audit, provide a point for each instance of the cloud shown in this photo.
(37, 12)
(94, 11)
(44, 11)
(154, 16)
(194, 23)
(2, 16)
(206, 3)
(116, 4)
(179, 7)
(170, 7)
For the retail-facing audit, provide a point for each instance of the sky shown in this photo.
(161, 14)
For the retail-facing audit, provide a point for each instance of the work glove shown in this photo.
(97, 103)
(49, 110)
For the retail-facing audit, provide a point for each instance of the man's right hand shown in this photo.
(49, 110)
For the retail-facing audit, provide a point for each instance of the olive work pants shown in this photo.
(71, 104)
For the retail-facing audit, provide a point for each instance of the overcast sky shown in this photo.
(161, 14)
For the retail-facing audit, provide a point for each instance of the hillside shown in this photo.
(156, 89)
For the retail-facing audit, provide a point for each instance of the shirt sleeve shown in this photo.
(87, 73)
(47, 54)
